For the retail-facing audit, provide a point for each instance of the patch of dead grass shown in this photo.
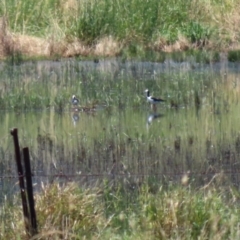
(30, 46)
(11, 43)
(181, 44)
(69, 6)
(75, 48)
(5, 38)
(107, 46)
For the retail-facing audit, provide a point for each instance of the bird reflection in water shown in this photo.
(75, 118)
(152, 117)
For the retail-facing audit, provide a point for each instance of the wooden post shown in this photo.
(14, 133)
(33, 229)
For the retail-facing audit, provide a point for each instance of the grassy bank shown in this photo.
(110, 28)
(146, 212)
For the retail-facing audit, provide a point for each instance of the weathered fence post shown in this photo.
(14, 133)
(33, 229)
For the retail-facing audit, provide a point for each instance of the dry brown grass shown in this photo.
(11, 43)
(107, 46)
(181, 45)
(29, 45)
(63, 211)
(6, 45)
(35, 46)
(75, 48)
(69, 5)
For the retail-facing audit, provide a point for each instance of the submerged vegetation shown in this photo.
(114, 212)
(110, 28)
(193, 131)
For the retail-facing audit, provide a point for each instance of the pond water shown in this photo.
(114, 132)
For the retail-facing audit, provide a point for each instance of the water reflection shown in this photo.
(75, 117)
(190, 135)
(152, 117)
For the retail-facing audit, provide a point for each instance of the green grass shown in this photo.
(147, 24)
(116, 212)
(91, 20)
(131, 20)
(234, 56)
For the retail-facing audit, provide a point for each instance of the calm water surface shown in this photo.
(195, 132)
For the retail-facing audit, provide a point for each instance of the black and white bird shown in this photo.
(75, 101)
(151, 99)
